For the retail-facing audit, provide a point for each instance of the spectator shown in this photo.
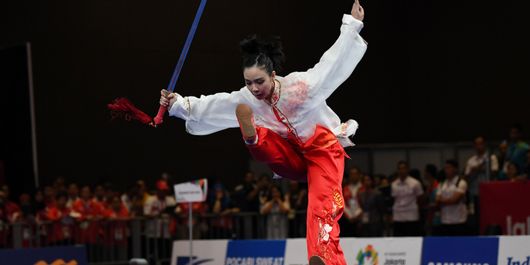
(73, 194)
(349, 223)
(39, 205)
(127, 197)
(7, 215)
(141, 188)
(10, 211)
(276, 209)
(199, 227)
(432, 217)
(49, 195)
(59, 185)
(512, 173)
(386, 192)
(222, 224)
(298, 201)
(116, 229)
(109, 193)
(246, 194)
(264, 189)
(517, 148)
(501, 157)
(479, 168)
(406, 190)
(27, 211)
(156, 205)
(116, 209)
(372, 205)
(62, 226)
(159, 227)
(526, 171)
(451, 197)
(87, 213)
(136, 208)
(99, 196)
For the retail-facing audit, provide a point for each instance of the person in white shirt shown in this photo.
(451, 198)
(287, 124)
(349, 223)
(480, 167)
(405, 213)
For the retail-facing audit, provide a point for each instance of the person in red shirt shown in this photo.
(9, 211)
(87, 212)
(62, 226)
(115, 227)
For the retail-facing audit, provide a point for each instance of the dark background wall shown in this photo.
(434, 71)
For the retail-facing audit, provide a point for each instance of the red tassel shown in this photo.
(123, 108)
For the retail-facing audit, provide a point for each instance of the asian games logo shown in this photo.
(368, 256)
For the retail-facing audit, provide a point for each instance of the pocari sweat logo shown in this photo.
(193, 261)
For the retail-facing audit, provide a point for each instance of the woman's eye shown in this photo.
(260, 82)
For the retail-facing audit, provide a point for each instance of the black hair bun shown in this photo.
(254, 46)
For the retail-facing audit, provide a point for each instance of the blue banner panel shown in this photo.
(255, 252)
(460, 251)
(44, 256)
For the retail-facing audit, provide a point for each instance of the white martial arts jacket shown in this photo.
(297, 107)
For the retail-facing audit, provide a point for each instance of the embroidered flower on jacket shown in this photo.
(324, 233)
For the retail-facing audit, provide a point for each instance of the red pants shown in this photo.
(320, 160)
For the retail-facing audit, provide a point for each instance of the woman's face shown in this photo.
(367, 181)
(276, 193)
(511, 171)
(259, 82)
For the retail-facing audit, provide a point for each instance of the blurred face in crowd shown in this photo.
(99, 192)
(249, 177)
(39, 197)
(85, 193)
(450, 170)
(219, 194)
(61, 202)
(2, 197)
(511, 171)
(275, 192)
(73, 191)
(5, 189)
(377, 181)
(264, 182)
(116, 203)
(480, 145)
(293, 186)
(503, 148)
(108, 192)
(367, 182)
(161, 194)
(59, 183)
(141, 186)
(403, 170)
(515, 134)
(354, 175)
(49, 192)
(384, 182)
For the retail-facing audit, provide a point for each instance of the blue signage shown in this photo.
(32, 256)
(460, 250)
(255, 252)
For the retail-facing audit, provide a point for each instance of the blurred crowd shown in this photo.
(409, 202)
